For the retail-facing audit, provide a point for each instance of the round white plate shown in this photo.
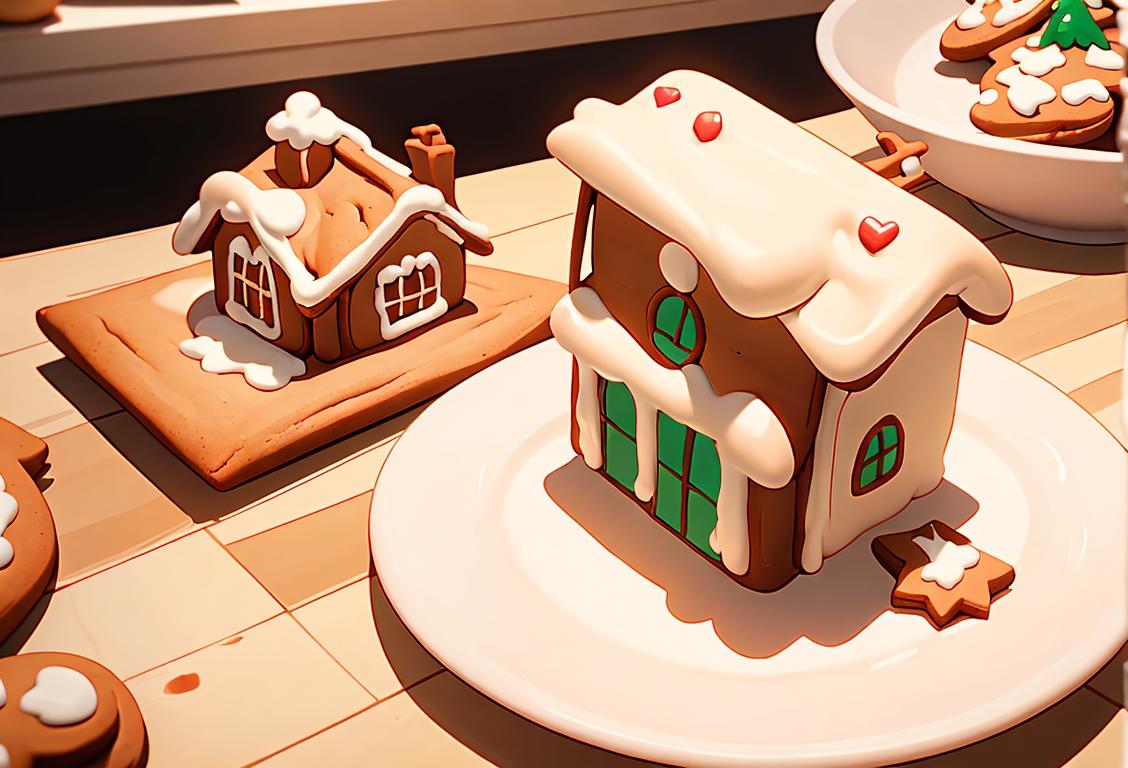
(517, 598)
(885, 56)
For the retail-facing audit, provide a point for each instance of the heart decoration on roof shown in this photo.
(664, 96)
(875, 235)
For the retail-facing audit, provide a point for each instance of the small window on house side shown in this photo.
(879, 457)
(676, 327)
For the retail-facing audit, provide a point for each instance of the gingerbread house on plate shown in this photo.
(325, 246)
(767, 335)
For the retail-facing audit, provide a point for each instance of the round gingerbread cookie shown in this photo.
(986, 24)
(28, 546)
(1038, 90)
(63, 710)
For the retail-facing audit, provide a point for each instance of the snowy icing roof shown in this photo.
(291, 224)
(773, 214)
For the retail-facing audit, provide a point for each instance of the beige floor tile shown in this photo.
(1062, 733)
(1027, 281)
(312, 555)
(847, 130)
(380, 652)
(1112, 680)
(542, 250)
(958, 207)
(342, 479)
(45, 393)
(1057, 316)
(1073, 365)
(105, 510)
(507, 199)
(34, 281)
(152, 609)
(1053, 256)
(239, 700)
(1105, 392)
(1108, 749)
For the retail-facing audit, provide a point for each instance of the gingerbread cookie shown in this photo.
(940, 573)
(987, 24)
(64, 710)
(1056, 87)
(28, 548)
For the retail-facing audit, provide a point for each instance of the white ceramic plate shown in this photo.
(885, 56)
(513, 594)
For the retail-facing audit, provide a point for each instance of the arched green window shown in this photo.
(880, 456)
(676, 327)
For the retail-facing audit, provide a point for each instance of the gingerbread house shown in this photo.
(324, 245)
(767, 336)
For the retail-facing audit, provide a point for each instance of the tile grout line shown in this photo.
(333, 590)
(246, 570)
(288, 522)
(181, 657)
(336, 661)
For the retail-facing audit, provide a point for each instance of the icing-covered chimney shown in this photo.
(300, 157)
(432, 159)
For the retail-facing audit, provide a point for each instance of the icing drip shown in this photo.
(1102, 59)
(973, 16)
(988, 97)
(751, 441)
(223, 346)
(1025, 92)
(1089, 88)
(1013, 10)
(1040, 62)
(9, 508)
(911, 166)
(678, 267)
(61, 696)
(947, 560)
(305, 121)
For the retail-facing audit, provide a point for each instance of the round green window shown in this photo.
(675, 328)
(880, 456)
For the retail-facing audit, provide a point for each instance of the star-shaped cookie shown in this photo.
(941, 574)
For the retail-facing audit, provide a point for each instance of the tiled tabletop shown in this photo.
(243, 621)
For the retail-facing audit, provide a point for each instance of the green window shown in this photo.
(619, 449)
(879, 456)
(675, 330)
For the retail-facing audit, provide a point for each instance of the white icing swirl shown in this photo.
(61, 696)
(1078, 92)
(1104, 59)
(9, 508)
(947, 560)
(1025, 93)
(1040, 62)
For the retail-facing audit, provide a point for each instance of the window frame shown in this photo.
(651, 327)
(267, 325)
(860, 460)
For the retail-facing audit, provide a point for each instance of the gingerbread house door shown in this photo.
(688, 471)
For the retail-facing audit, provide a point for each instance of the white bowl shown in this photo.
(885, 56)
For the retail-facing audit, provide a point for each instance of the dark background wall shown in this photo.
(86, 173)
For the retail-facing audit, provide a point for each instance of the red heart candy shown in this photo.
(875, 235)
(664, 95)
(707, 126)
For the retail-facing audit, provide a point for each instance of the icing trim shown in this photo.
(61, 697)
(1078, 92)
(9, 509)
(947, 560)
(393, 273)
(241, 247)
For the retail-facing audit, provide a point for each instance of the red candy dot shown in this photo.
(707, 126)
(664, 95)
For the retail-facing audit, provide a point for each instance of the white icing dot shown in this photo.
(911, 166)
(988, 97)
(9, 508)
(1024, 92)
(1067, 18)
(3, 694)
(1089, 88)
(5, 760)
(678, 267)
(1034, 42)
(1104, 59)
(61, 696)
(972, 17)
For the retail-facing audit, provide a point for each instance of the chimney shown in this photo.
(432, 159)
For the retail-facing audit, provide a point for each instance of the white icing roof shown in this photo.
(772, 213)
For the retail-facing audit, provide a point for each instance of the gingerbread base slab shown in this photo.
(227, 431)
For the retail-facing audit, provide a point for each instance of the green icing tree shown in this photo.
(1072, 26)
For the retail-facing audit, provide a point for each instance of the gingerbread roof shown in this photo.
(775, 217)
(324, 235)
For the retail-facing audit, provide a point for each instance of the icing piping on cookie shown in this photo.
(678, 267)
(973, 16)
(5, 759)
(1040, 62)
(911, 166)
(1025, 92)
(3, 694)
(1034, 42)
(61, 697)
(9, 508)
(1089, 88)
(947, 560)
(1013, 10)
(989, 97)
(1103, 59)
